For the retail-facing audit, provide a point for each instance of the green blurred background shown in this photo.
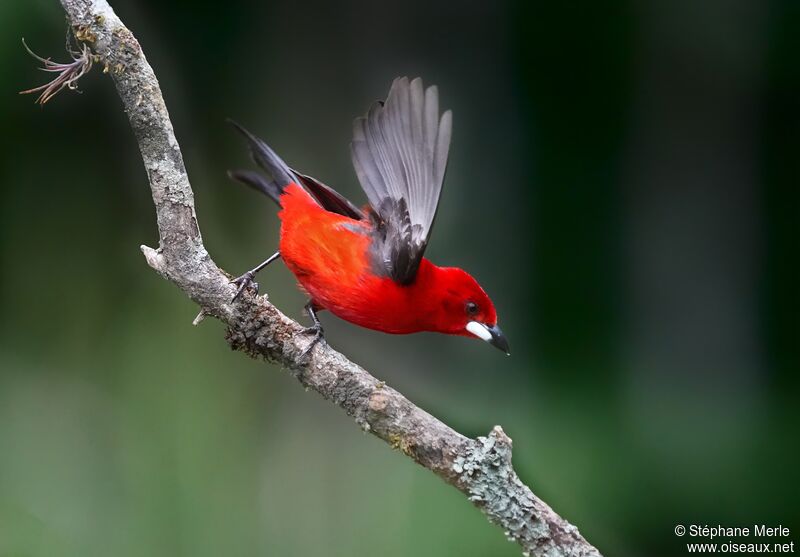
(623, 181)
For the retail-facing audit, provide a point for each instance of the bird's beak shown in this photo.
(492, 335)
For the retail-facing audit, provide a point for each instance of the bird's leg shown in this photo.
(315, 329)
(247, 279)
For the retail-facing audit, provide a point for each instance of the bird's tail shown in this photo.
(278, 174)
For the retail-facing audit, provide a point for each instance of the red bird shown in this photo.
(367, 266)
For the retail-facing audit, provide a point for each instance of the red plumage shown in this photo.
(367, 266)
(329, 255)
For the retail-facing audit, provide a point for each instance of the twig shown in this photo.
(480, 468)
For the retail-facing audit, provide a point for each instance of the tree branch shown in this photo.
(481, 469)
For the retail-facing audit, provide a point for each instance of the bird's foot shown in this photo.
(319, 336)
(243, 282)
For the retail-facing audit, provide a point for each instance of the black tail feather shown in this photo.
(258, 182)
(279, 175)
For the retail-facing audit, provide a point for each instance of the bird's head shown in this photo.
(461, 307)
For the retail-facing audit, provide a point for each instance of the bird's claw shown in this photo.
(319, 336)
(244, 281)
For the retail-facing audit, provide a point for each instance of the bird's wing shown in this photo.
(399, 152)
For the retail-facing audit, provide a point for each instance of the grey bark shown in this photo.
(480, 468)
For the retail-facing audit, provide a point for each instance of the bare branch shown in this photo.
(481, 468)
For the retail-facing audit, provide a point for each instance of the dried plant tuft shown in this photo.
(68, 74)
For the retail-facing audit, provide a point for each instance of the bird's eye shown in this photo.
(472, 308)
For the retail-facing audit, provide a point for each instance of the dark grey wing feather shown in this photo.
(399, 152)
(329, 198)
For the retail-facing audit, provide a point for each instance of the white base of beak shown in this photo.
(479, 330)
